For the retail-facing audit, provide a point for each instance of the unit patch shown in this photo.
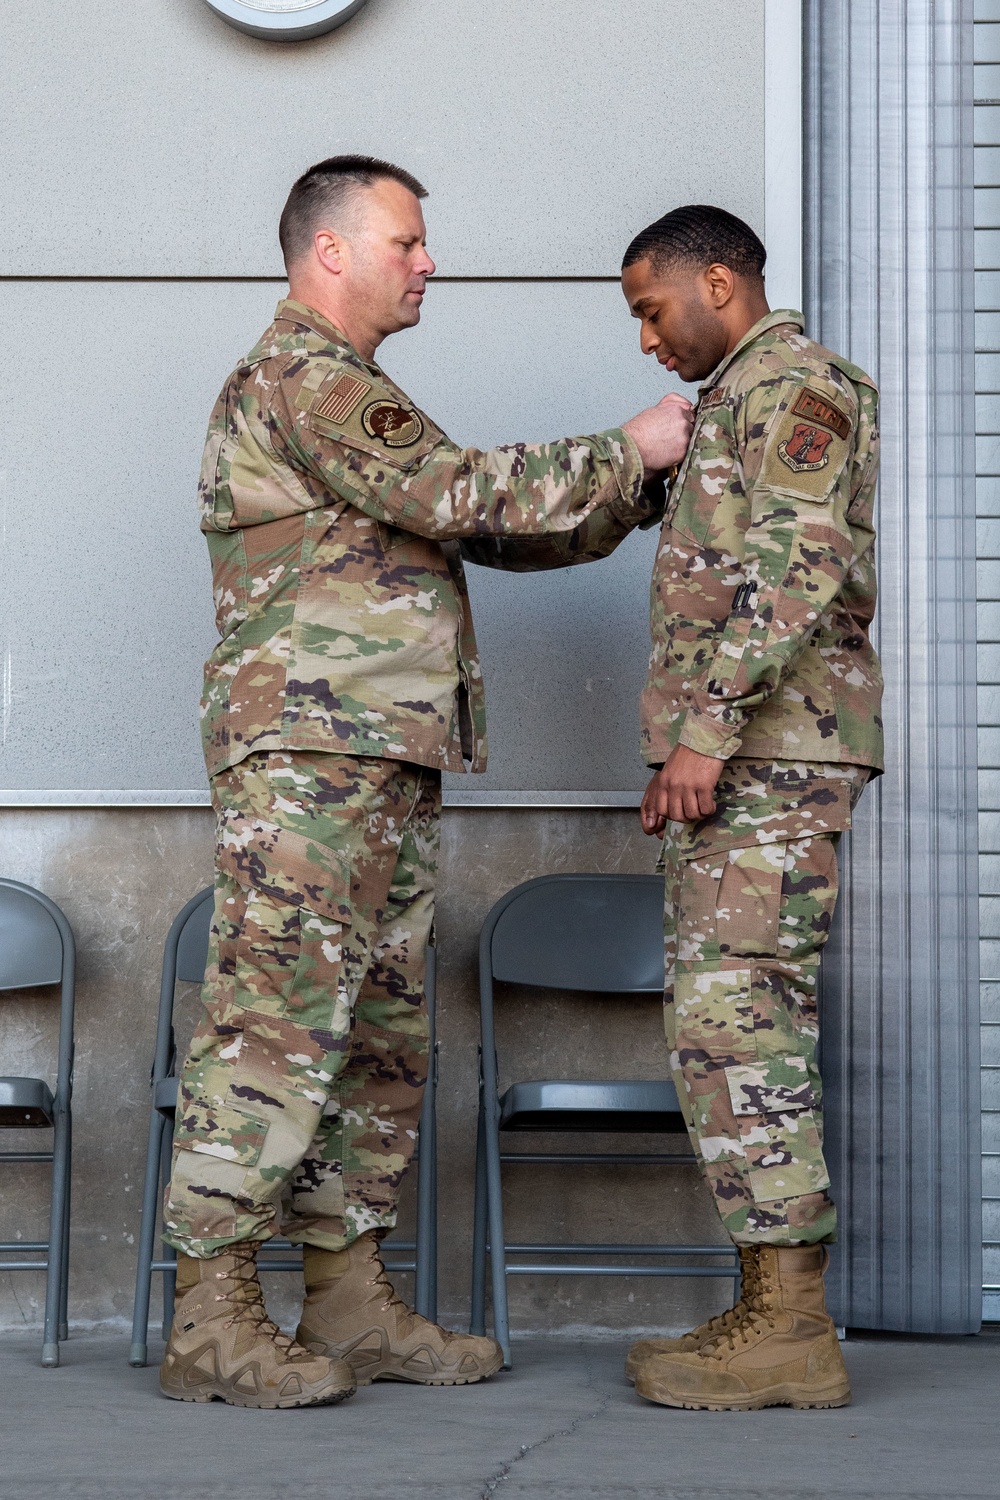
(341, 400)
(813, 407)
(806, 448)
(392, 424)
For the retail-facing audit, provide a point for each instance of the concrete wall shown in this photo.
(148, 148)
(121, 875)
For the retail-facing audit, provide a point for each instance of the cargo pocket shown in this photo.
(215, 1130)
(748, 900)
(297, 909)
(773, 1102)
(268, 949)
(709, 1024)
(284, 1070)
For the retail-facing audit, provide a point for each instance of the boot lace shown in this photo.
(721, 1323)
(754, 1313)
(407, 1321)
(242, 1290)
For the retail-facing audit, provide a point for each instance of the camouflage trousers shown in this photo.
(750, 896)
(301, 1092)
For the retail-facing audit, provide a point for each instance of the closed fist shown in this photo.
(662, 432)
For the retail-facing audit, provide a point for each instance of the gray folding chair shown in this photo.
(37, 948)
(597, 933)
(184, 957)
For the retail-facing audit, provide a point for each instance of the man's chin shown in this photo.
(693, 375)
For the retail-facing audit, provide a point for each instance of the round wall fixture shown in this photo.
(285, 20)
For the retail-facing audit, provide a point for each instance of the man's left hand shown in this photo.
(682, 791)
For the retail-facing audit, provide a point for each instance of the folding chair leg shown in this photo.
(425, 1298)
(169, 1292)
(432, 1273)
(147, 1241)
(477, 1322)
(169, 1277)
(64, 1274)
(57, 1242)
(498, 1259)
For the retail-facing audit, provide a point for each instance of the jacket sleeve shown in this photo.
(797, 450)
(596, 537)
(388, 460)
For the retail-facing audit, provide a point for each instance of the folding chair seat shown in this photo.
(37, 949)
(26, 1102)
(184, 958)
(587, 1105)
(601, 934)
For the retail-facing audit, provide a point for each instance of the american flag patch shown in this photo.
(339, 402)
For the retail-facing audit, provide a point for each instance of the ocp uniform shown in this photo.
(345, 680)
(762, 596)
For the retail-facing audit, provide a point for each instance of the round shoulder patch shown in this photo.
(392, 424)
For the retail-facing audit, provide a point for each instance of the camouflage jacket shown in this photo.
(764, 583)
(334, 509)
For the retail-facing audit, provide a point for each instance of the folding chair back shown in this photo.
(579, 932)
(31, 944)
(37, 948)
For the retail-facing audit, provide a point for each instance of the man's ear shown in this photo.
(721, 284)
(329, 248)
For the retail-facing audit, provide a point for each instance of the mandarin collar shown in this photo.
(781, 316)
(290, 311)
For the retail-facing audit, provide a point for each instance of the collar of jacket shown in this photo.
(776, 319)
(290, 311)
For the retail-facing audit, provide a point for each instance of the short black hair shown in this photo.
(698, 235)
(325, 190)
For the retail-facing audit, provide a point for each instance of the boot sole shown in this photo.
(417, 1380)
(431, 1379)
(820, 1401)
(206, 1397)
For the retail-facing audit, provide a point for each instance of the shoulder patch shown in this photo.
(392, 424)
(814, 408)
(807, 447)
(343, 397)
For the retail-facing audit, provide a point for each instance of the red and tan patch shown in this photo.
(813, 407)
(806, 448)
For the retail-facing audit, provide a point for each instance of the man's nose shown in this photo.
(648, 340)
(425, 266)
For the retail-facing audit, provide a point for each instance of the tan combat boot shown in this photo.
(688, 1343)
(351, 1312)
(782, 1352)
(224, 1347)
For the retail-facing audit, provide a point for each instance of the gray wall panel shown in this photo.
(105, 618)
(150, 138)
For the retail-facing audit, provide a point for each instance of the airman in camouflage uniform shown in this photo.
(763, 590)
(762, 595)
(346, 637)
(345, 680)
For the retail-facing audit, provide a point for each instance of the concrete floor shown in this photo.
(563, 1423)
